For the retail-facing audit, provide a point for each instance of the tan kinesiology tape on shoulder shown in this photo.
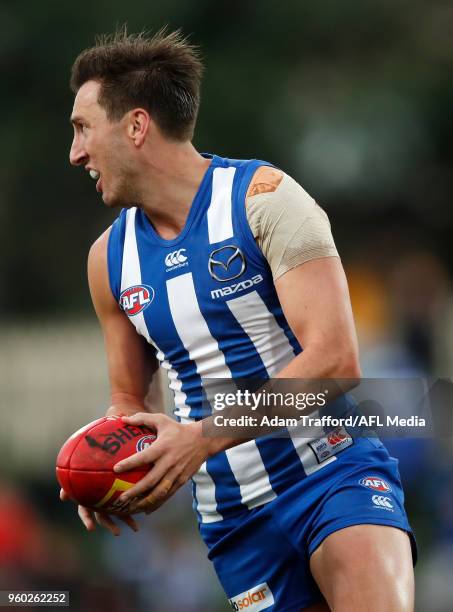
(289, 227)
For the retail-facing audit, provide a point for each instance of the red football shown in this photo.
(85, 462)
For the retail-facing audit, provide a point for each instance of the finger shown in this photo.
(145, 418)
(145, 457)
(86, 516)
(130, 522)
(105, 521)
(149, 481)
(63, 495)
(163, 491)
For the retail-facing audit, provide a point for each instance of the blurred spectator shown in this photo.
(420, 289)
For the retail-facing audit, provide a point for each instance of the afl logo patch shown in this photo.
(375, 483)
(135, 299)
(144, 442)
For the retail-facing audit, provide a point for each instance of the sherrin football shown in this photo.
(85, 462)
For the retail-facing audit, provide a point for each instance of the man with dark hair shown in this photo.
(221, 268)
(162, 75)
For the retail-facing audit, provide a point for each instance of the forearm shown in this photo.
(319, 363)
(150, 400)
(309, 372)
(126, 404)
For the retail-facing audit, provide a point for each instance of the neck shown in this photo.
(170, 177)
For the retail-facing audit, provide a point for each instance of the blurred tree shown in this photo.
(351, 98)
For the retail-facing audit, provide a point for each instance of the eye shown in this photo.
(80, 128)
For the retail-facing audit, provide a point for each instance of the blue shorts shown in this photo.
(262, 556)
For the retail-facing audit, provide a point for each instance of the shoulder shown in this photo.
(265, 180)
(98, 250)
(275, 197)
(98, 273)
(275, 193)
(288, 225)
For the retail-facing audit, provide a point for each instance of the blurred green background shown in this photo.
(351, 98)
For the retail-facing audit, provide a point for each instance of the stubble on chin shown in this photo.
(122, 193)
(120, 201)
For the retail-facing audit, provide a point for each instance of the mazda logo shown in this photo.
(226, 263)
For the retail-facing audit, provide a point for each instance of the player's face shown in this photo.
(102, 147)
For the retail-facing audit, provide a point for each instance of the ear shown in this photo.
(138, 125)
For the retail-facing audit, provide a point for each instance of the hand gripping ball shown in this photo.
(85, 462)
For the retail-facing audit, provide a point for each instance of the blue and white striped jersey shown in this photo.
(207, 303)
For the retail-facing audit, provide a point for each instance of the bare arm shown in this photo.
(132, 366)
(315, 301)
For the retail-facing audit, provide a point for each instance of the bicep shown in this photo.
(132, 365)
(315, 300)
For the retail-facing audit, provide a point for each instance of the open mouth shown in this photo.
(96, 175)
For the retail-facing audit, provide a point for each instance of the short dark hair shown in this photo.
(161, 74)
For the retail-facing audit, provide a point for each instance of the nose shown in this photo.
(77, 154)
